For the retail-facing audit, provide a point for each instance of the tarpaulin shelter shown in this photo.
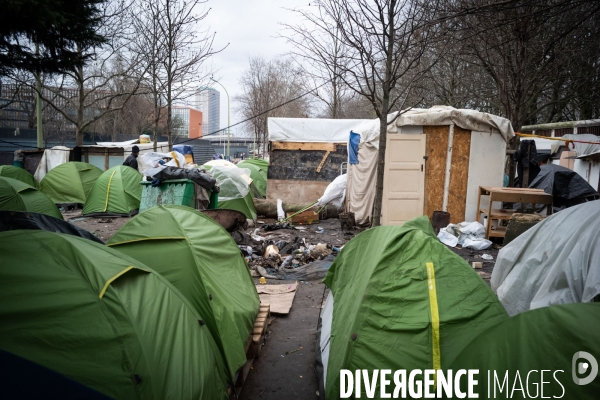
(117, 191)
(103, 319)
(550, 339)
(556, 261)
(10, 171)
(436, 159)
(18, 196)
(400, 299)
(199, 258)
(234, 191)
(15, 220)
(306, 155)
(258, 172)
(566, 186)
(70, 182)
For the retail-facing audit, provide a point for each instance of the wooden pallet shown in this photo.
(253, 347)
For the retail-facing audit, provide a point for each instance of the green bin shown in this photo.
(175, 191)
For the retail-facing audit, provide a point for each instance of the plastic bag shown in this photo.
(476, 243)
(335, 192)
(232, 182)
(447, 238)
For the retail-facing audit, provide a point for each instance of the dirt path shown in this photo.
(277, 375)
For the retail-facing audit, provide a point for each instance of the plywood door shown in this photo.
(404, 179)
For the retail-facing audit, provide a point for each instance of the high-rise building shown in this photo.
(208, 100)
(187, 122)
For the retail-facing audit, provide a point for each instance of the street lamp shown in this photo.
(228, 114)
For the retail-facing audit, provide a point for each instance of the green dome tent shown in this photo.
(18, 196)
(235, 190)
(400, 299)
(200, 259)
(545, 339)
(258, 172)
(20, 174)
(70, 182)
(116, 191)
(103, 319)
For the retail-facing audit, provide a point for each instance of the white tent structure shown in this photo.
(436, 159)
(555, 262)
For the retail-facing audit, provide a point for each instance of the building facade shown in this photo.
(187, 122)
(208, 100)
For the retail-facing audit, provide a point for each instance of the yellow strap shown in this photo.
(111, 280)
(108, 190)
(175, 158)
(435, 318)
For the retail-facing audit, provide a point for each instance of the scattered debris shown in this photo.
(477, 264)
(487, 257)
(293, 351)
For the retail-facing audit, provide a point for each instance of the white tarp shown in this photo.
(311, 129)
(335, 193)
(233, 182)
(582, 149)
(50, 159)
(326, 321)
(555, 262)
(466, 234)
(148, 162)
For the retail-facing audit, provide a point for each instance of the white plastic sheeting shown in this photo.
(232, 181)
(50, 159)
(335, 192)
(148, 161)
(326, 320)
(555, 262)
(582, 149)
(312, 129)
(466, 234)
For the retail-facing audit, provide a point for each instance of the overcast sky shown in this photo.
(251, 28)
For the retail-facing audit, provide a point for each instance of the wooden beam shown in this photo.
(304, 146)
(323, 161)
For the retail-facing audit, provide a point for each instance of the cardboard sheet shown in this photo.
(280, 297)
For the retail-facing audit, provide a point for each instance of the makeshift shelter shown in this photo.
(106, 155)
(553, 349)
(566, 186)
(400, 299)
(199, 258)
(306, 155)
(258, 172)
(18, 196)
(20, 174)
(15, 220)
(234, 191)
(117, 191)
(436, 159)
(103, 319)
(556, 261)
(70, 182)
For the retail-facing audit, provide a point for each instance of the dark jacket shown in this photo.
(131, 161)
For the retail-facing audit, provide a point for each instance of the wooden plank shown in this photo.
(459, 175)
(435, 172)
(304, 146)
(323, 161)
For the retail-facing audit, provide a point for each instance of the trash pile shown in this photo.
(274, 258)
(469, 235)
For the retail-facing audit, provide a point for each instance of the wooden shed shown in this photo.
(436, 159)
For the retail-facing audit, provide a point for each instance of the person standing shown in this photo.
(131, 161)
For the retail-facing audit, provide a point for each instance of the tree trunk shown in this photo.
(81, 105)
(377, 205)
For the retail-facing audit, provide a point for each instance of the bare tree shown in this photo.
(175, 48)
(271, 89)
(384, 42)
(323, 52)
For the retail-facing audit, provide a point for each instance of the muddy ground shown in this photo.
(285, 366)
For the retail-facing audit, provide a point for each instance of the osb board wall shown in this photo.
(301, 165)
(435, 173)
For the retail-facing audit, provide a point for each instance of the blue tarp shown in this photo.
(353, 148)
(184, 149)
